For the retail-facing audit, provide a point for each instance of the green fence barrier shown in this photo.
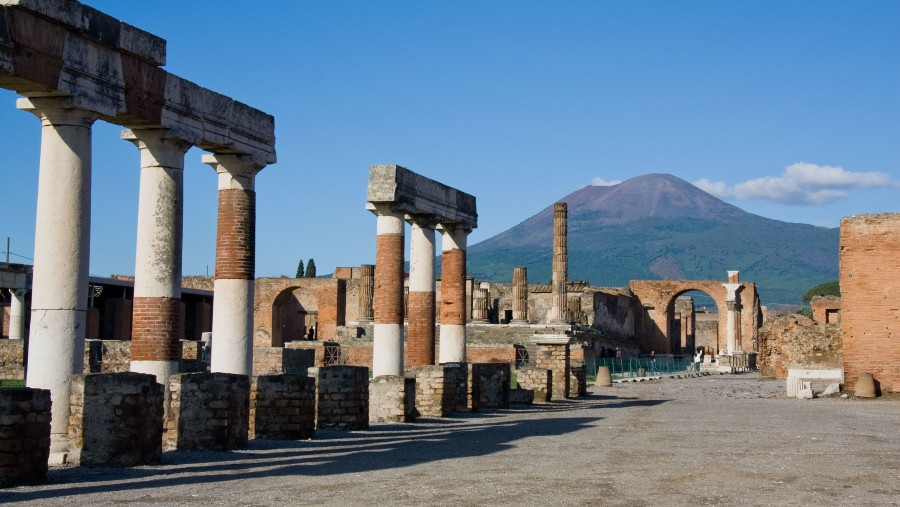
(628, 367)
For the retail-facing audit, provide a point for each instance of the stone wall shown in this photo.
(107, 356)
(538, 380)
(555, 357)
(279, 360)
(24, 435)
(491, 382)
(440, 389)
(283, 407)
(870, 298)
(795, 341)
(577, 381)
(12, 360)
(342, 397)
(392, 399)
(501, 353)
(207, 411)
(116, 419)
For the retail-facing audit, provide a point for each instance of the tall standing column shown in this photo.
(731, 304)
(520, 295)
(232, 331)
(453, 294)
(366, 293)
(387, 346)
(559, 308)
(17, 314)
(155, 331)
(61, 255)
(421, 305)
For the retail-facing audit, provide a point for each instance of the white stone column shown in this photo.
(387, 346)
(61, 253)
(17, 314)
(421, 306)
(157, 269)
(731, 303)
(453, 294)
(232, 331)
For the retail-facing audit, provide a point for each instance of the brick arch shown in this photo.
(319, 295)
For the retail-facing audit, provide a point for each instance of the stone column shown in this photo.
(387, 347)
(480, 305)
(453, 294)
(155, 346)
(366, 293)
(520, 295)
(232, 330)
(559, 310)
(421, 305)
(731, 303)
(17, 314)
(61, 253)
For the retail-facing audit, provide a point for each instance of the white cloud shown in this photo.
(800, 183)
(600, 182)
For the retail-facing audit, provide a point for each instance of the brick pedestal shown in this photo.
(207, 411)
(283, 407)
(392, 399)
(116, 419)
(342, 397)
(538, 380)
(24, 435)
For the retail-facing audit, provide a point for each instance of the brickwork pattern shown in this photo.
(342, 397)
(537, 380)
(207, 411)
(12, 359)
(440, 389)
(870, 298)
(501, 353)
(555, 358)
(577, 381)
(826, 309)
(392, 398)
(280, 360)
(453, 287)
(116, 419)
(420, 336)
(491, 382)
(389, 279)
(795, 341)
(236, 235)
(156, 326)
(24, 435)
(283, 407)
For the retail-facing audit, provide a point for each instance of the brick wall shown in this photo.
(157, 324)
(207, 411)
(389, 279)
(440, 389)
(282, 407)
(116, 419)
(453, 288)
(24, 435)
(420, 336)
(870, 298)
(477, 353)
(278, 360)
(555, 358)
(826, 309)
(342, 397)
(795, 341)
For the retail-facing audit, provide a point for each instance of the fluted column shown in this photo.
(232, 329)
(480, 305)
(61, 255)
(387, 347)
(17, 314)
(366, 293)
(731, 304)
(520, 295)
(421, 303)
(559, 308)
(157, 269)
(453, 294)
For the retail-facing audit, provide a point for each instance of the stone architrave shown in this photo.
(559, 310)
(61, 250)
(232, 338)
(366, 293)
(520, 295)
(157, 275)
(421, 295)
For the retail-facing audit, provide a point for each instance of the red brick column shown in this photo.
(232, 333)
(387, 353)
(453, 294)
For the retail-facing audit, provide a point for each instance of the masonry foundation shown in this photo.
(282, 407)
(342, 397)
(207, 411)
(537, 380)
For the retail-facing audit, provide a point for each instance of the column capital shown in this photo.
(18, 292)
(384, 210)
(155, 138)
(732, 290)
(423, 220)
(57, 111)
(236, 172)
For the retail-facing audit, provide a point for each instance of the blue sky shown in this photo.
(790, 110)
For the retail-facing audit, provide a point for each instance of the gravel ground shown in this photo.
(717, 440)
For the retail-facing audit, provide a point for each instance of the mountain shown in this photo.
(658, 226)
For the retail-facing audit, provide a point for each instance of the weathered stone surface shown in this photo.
(490, 381)
(795, 341)
(12, 359)
(441, 389)
(577, 381)
(278, 360)
(24, 435)
(342, 397)
(409, 192)
(207, 411)
(521, 396)
(392, 399)
(553, 354)
(537, 380)
(283, 407)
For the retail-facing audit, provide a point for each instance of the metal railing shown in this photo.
(629, 367)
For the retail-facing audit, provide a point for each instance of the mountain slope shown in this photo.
(658, 226)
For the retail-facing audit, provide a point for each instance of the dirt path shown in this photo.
(720, 440)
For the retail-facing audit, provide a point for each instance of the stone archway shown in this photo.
(294, 314)
(285, 309)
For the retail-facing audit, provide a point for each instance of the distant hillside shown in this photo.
(658, 226)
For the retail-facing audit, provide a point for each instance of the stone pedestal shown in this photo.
(537, 380)
(491, 383)
(116, 419)
(24, 435)
(553, 354)
(207, 411)
(441, 389)
(283, 407)
(392, 399)
(577, 381)
(342, 397)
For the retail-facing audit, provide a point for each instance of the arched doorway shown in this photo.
(692, 321)
(294, 316)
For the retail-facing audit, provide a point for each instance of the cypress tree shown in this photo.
(311, 269)
(300, 269)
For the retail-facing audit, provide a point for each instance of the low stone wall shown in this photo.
(24, 435)
(392, 399)
(342, 397)
(207, 411)
(279, 360)
(282, 407)
(539, 380)
(492, 381)
(116, 419)
(12, 359)
(107, 356)
(577, 381)
(441, 389)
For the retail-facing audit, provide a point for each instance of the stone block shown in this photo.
(191, 422)
(24, 435)
(392, 399)
(282, 407)
(538, 380)
(491, 382)
(521, 396)
(342, 397)
(577, 381)
(441, 389)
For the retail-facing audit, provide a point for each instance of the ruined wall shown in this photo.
(826, 309)
(870, 298)
(706, 333)
(206, 411)
(342, 397)
(795, 341)
(281, 360)
(613, 313)
(280, 304)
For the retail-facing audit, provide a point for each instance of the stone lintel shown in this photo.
(411, 193)
(551, 339)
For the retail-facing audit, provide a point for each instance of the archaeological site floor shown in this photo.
(721, 440)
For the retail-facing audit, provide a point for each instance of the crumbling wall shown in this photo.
(795, 341)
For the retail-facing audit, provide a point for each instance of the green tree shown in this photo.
(311, 269)
(300, 269)
(825, 289)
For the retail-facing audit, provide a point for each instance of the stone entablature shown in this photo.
(407, 192)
